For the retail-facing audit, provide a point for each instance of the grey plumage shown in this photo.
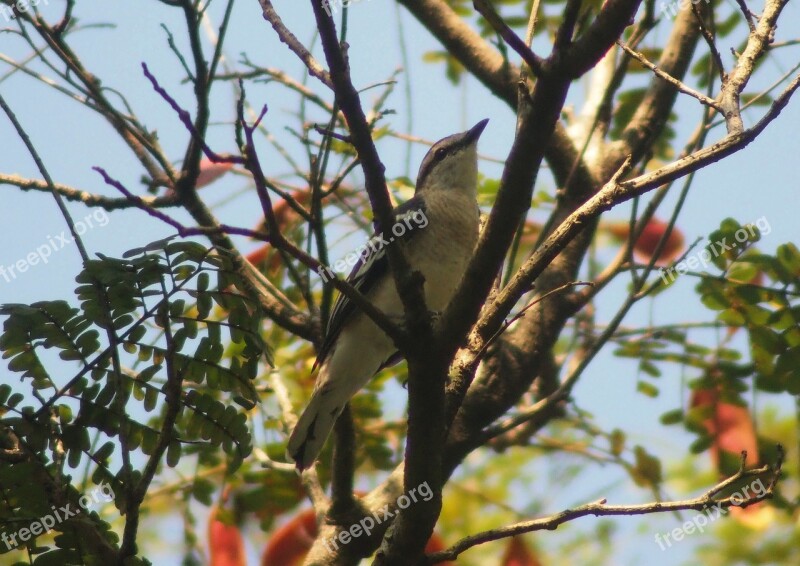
(355, 349)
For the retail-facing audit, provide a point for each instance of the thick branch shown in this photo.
(496, 74)
(461, 41)
(427, 363)
(535, 128)
(737, 79)
(409, 287)
(593, 44)
(614, 193)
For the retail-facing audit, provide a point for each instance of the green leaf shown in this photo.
(672, 417)
(173, 453)
(649, 368)
(105, 452)
(617, 441)
(647, 469)
(647, 388)
(5, 392)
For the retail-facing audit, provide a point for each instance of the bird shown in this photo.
(439, 226)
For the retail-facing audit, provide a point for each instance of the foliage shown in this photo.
(161, 344)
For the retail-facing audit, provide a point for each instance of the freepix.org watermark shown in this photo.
(716, 249)
(7, 10)
(42, 253)
(333, 6)
(405, 223)
(365, 525)
(673, 7)
(701, 520)
(46, 524)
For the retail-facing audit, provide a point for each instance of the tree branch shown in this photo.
(614, 193)
(511, 38)
(600, 509)
(670, 79)
(294, 44)
(737, 79)
(652, 114)
(86, 197)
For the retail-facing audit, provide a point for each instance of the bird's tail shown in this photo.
(313, 428)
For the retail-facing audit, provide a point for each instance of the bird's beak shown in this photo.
(472, 135)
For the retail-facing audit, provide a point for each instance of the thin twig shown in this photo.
(186, 118)
(709, 39)
(748, 15)
(294, 44)
(522, 312)
(669, 78)
(359, 300)
(85, 197)
(512, 39)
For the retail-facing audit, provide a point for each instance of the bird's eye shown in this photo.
(440, 153)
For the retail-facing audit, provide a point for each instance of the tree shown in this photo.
(182, 351)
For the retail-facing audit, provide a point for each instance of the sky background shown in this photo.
(759, 183)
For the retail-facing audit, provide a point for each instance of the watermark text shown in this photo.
(7, 10)
(367, 524)
(59, 242)
(715, 249)
(700, 521)
(405, 223)
(672, 8)
(333, 6)
(46, 524)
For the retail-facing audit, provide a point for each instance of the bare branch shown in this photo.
(48, 180)
(601, 509)
(186, 118)
(294, 44)
(669, 78)
(614, 193)
(281, 77)
(709, 38)
(485, 63)
(748, 15)
(310, 478)
(737, 79)
(143, 145)
(653, 112)
(511, 38)
(522, 312)
(497, 74)
(86, 197)
(566, 28)
(592, 45)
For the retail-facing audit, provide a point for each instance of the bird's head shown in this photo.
(452, 162)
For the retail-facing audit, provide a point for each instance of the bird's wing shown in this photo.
(372, 265)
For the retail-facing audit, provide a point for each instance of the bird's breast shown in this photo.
(443, 249)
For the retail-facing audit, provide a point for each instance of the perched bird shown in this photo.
(440, 227)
